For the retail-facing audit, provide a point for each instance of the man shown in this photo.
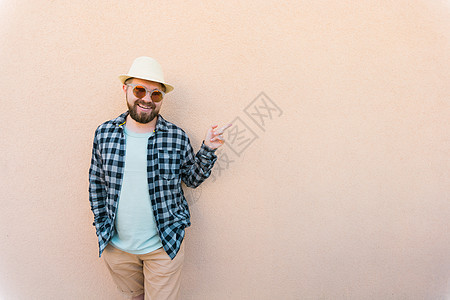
(138, 162)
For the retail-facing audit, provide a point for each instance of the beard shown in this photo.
(142, 117)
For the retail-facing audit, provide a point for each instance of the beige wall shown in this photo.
(345, 195)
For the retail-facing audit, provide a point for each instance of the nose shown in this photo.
(146, 102)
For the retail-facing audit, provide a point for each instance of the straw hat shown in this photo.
(146, 68)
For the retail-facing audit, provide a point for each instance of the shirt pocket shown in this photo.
(169, 162)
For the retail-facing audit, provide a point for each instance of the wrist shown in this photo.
(208, 146)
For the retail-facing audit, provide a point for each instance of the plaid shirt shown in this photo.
(170, 159)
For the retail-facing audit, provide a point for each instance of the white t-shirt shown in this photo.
(135, 224)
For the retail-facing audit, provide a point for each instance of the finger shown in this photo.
(217, 138)
(216, 133)
(221, 130)
(212, 128)
(219, 141)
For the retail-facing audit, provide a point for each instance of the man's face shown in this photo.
(142, 110)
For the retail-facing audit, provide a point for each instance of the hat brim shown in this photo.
(124, 78)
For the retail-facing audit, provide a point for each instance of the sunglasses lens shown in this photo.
(139, 91)
(157, 96)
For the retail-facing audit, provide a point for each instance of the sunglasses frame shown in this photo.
(147, 92)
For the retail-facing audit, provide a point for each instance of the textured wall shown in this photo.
(343, 192)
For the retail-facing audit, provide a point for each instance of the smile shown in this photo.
(143, 106)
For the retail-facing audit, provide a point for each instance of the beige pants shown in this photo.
(153, 274)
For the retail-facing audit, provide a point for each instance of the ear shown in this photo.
(124, 88)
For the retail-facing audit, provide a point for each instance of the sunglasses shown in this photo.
(141, 91)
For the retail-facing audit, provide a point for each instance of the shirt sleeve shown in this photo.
(196, 168)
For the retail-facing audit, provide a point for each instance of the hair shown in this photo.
(162, 85)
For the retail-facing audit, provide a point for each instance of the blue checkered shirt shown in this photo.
(170, 159)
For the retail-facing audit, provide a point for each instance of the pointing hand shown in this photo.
(214, 138)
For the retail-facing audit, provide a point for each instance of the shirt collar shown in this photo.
(161, 123)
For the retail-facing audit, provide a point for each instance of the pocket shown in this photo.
(169, 162)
